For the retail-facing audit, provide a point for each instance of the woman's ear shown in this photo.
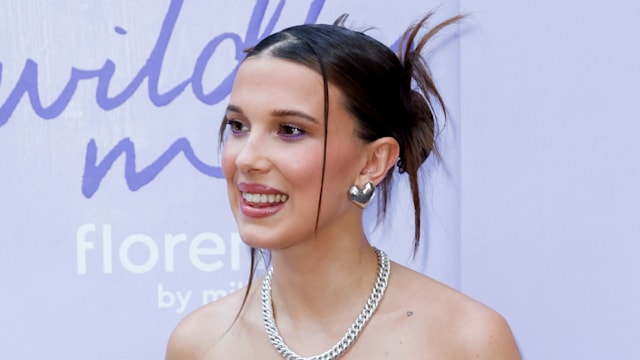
(381, 155)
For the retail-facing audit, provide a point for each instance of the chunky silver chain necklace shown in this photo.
(384, 268)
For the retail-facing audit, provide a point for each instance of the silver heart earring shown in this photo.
(362, 196)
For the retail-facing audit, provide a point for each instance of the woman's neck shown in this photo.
(324, 282)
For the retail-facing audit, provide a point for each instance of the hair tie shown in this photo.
(402, 167)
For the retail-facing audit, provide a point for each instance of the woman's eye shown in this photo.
(237, 127)
(291, 131)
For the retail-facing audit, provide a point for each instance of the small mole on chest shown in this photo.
(409, 313)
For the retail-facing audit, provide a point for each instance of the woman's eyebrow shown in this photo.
(294, 113)
(234, 108)
(277, 113)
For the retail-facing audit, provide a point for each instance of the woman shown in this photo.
(318, 118)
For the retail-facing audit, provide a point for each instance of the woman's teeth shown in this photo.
(264, 198)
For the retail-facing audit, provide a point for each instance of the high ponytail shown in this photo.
(419, 139)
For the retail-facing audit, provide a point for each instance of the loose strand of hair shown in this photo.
(415, 193)
(326, 130)
(325, 85)
(341, 20)
(252, 270)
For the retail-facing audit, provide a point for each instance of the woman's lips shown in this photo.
(260, 200)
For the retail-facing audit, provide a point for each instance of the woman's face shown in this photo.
(273, 153)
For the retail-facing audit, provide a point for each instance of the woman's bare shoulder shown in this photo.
(467, 326)
(487, 335)
(198, 332)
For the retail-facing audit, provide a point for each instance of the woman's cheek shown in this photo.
(228, 161)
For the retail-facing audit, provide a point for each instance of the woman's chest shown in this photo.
(389, 338)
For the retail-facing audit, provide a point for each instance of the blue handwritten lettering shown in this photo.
(120, 30)
(150, 71)
(94, 172)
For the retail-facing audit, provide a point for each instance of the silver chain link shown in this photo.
(384, 268)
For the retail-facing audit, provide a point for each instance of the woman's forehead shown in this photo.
(270, 81)
(268, 66)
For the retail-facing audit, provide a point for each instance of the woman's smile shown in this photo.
(259, 200)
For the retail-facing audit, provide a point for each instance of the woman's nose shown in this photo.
(252, 154)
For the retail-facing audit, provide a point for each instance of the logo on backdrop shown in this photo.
(96, 169)
(101, 250)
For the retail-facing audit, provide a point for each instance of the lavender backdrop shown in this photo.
(550, 201)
